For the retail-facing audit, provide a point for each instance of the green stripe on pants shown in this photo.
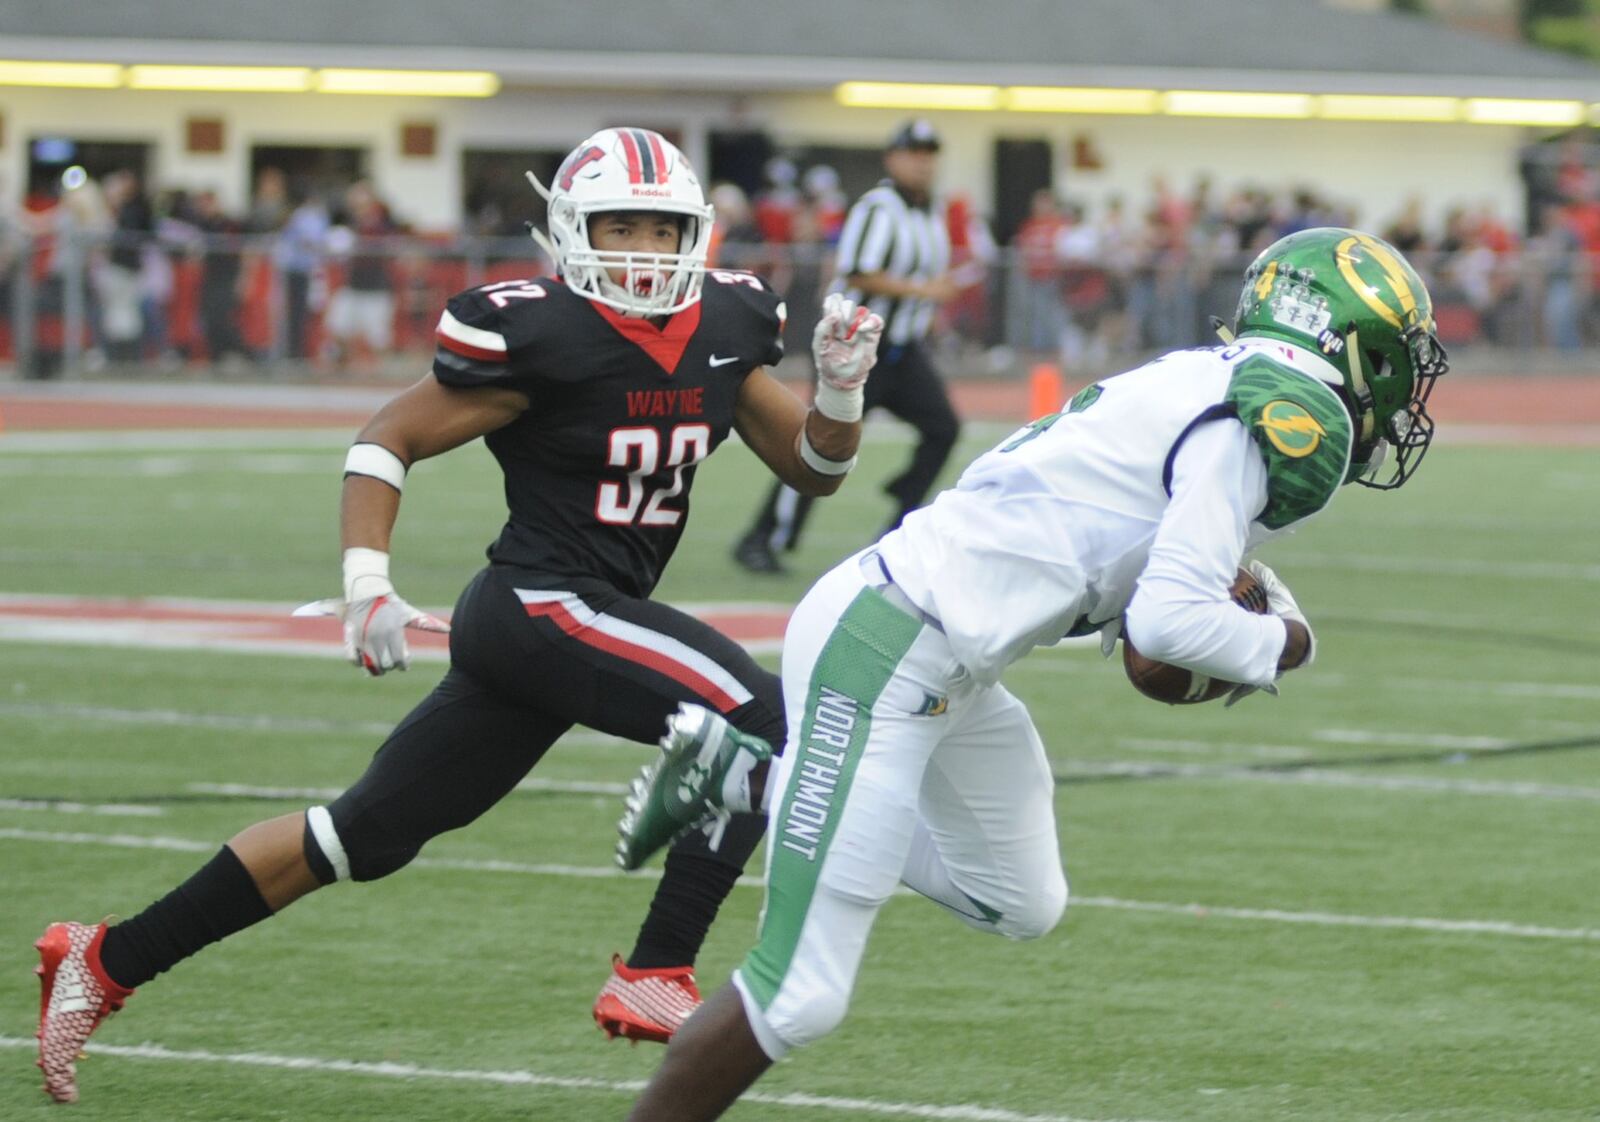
(855, 665)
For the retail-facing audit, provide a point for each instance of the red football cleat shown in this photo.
(645, 1004)
(75, 996)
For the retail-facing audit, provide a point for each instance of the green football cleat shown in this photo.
(686, 787)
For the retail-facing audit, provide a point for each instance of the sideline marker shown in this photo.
(1046, 390)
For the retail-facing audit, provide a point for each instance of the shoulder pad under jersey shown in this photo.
(1303, 431)
(758, 310)
(484, 332)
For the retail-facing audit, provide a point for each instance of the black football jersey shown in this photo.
(599, 468)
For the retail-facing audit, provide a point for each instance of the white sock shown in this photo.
(736, 782)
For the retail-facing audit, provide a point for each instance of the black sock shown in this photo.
(681, 912)
(695, 883)
(218, 900)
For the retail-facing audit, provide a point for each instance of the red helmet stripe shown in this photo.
(660, 155)
(646, 156)
(630, 148)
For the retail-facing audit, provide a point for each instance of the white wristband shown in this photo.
(378, 462)
(836, 404)
(370, 566)
(819, 463)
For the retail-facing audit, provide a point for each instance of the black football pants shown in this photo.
(526, 664)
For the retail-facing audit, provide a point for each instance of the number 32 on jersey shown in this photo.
(638, 451)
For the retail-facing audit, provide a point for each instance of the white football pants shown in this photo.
(898, 768)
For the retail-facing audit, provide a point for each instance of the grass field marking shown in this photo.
(170, 440)
(1065, 659)
(245, 627)
(1336, 919)
(606, 872)
(175, 718)
(1089, 771)
(70, 806)
(1409, 739)
(232, 722)
(169, 465)
(878, 430)
(533, 783)
(391, 1070)
(1205, 747)
(118, 841)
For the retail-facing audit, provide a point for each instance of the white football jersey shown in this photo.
(1055, 529)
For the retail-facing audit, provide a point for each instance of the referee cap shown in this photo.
(917, 135)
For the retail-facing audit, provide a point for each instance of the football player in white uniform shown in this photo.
(907, 761)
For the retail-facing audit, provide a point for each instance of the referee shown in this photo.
(894, 257)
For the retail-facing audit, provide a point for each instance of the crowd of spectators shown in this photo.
(1122, 280)
(174, 277)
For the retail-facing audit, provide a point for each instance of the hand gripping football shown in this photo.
(1177, 685)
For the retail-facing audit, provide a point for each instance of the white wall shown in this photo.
(1375, 165)
(424, 191)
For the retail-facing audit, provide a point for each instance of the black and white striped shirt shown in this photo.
(886, 234)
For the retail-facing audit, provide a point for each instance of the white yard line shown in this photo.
(174, 718)
(69, 806)
(167, 465)
(1211, 747)
(1409, 739)
(247, 791)
(601, 872)
(390, 1070)
(1326, 777)
(169, 440)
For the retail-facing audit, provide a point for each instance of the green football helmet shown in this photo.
(1353, 299)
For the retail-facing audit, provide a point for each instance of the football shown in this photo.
(1175, 685)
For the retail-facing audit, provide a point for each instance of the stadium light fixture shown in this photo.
(914, 95)
(1080, 99)
(61, 75)
(1219, 103)
(1378, 107)
(1525, 111)
(221, 79)
(417, 83)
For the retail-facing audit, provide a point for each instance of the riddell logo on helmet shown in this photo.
(654, 192)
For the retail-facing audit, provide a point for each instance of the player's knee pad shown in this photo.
(1037, 916)
(351, 851)
(807, 1022)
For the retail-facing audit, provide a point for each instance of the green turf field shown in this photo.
(1395, 867)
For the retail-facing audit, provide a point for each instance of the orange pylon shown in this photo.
(1046, 391)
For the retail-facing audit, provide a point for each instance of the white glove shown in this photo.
(1109, 634)
(375, 617)
(1240, 692)
(1281, 603)
(844, 347)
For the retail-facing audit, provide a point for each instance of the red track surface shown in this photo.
(200, 625)
(1548, 406)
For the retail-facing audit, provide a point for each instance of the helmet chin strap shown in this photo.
(533, 231)
(1358, 382)
(1223, 331)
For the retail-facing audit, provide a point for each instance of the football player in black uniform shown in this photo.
(599, 392)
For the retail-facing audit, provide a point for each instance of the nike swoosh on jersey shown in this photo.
(715, 361)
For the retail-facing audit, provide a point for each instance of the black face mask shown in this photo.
(1409, 431)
